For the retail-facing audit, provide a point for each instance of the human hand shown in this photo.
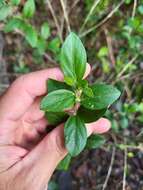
(28, 155)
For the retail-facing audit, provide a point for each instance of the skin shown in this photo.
(28, 155)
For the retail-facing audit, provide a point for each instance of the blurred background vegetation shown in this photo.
(31, 34)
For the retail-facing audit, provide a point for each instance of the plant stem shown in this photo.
(103, 21)
(125, 169)
(134, 9)
(96, 2)
(55, 19)
(65, 14)
(110, 168)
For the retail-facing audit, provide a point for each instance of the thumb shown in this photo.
(51, 150)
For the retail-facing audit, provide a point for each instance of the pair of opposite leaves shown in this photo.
(62, 96)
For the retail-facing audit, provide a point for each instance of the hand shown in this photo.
(28, 155)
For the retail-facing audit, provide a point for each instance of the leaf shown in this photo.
(30, 35)
(41, 46)
(103, 52)
(89, 116)
(128, 1)
(140, 9)
(5, 11)
(73, 58)
(95, 141)
(29, 9)
(88, 92)
(64, 164)
(75, 135)
(53, 85)
(54, 45)
(104, 96)
(12, 24)
(58, 101)
(45, 31)
(15, 2)
(55, 118)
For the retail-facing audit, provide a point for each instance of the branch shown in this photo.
(96, 2)
(65, 14)
(55, 19)
(125, 169)
(103, 21)
(134, 9)
(127, 66)
(110, 169)
(110, 48)
(74, 4)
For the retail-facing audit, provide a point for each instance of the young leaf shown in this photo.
(73, 58)
(55, 118)
(88, 92)
(45, 31)
(104, 95)
(95, 141)
(58, 101)
(5, 11)
(29, 9)
(53, 85)
(89, 116)
(75, 135)
(64, 164)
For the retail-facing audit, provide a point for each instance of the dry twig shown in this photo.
(125, 169)
(110, 168)
(134, 9)
(65, 14)
(110, 48)
(55, 19)
(96, 2)
(102, 21)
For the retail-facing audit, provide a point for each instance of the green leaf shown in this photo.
(41, 46)
(128, 1)
(55, 118)
(15, 2)
(88, 92)
(140, 9)
(5, 11)
(58, 101)
(12, 24)
(30, 35)
(53, 85)
(29, 31)
(95, 141)
(64, 164)
(75, 135)
(104, 96)
(73, 58)
(89, 116)
(54, 45)
(29, 9)
(103, 52)
(45, 31)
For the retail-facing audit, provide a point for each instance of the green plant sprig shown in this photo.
(75, 101)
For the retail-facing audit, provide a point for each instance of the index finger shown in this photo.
(24, 90)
